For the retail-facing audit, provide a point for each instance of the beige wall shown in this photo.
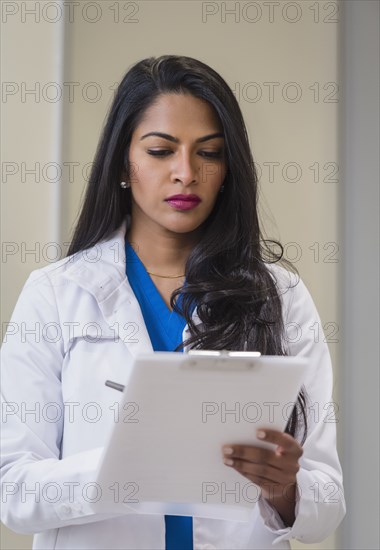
(257, 54)
(29, 148)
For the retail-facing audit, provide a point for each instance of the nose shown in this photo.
(185, 169)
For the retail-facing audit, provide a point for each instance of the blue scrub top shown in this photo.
(165, 330)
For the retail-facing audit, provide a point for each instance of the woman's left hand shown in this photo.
(274, 471)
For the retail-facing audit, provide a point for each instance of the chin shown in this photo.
(184, 227)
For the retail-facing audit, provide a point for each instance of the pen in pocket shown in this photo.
(114, 385)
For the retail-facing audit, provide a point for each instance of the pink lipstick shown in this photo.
(183, 202)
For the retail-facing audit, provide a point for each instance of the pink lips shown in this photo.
(183, 202)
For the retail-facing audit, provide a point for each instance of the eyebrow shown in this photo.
(176, 140)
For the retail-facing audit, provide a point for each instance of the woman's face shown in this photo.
(175, 178)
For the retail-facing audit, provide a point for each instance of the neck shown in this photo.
(162, 253)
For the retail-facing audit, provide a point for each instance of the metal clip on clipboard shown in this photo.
(220, 359)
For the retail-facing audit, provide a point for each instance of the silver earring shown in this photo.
(222, 189)
(125, 184)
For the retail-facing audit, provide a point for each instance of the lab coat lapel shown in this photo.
(122, 313)
(101, 271)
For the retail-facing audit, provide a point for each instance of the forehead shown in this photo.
(181, 111)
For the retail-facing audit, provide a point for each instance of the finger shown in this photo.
(285, 442)
(267, 471)
(287, 462)
(278, 458)
(252, 454)
(263, 471)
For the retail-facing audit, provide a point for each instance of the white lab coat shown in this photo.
(77, 323)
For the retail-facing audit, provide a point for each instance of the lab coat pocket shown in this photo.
(95, 354)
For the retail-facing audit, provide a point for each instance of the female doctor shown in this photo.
(167, 255)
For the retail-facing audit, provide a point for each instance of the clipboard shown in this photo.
(164, 455)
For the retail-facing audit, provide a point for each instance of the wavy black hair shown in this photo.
(228, 276)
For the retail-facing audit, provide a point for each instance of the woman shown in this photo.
(167, 255)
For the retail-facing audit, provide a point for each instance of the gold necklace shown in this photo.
(165, 276)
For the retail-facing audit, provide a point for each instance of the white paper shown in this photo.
(165, 455)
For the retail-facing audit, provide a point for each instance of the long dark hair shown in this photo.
(228, 276)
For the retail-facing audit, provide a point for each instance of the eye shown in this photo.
(159, 153)
(165, 153)
(212, 154)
